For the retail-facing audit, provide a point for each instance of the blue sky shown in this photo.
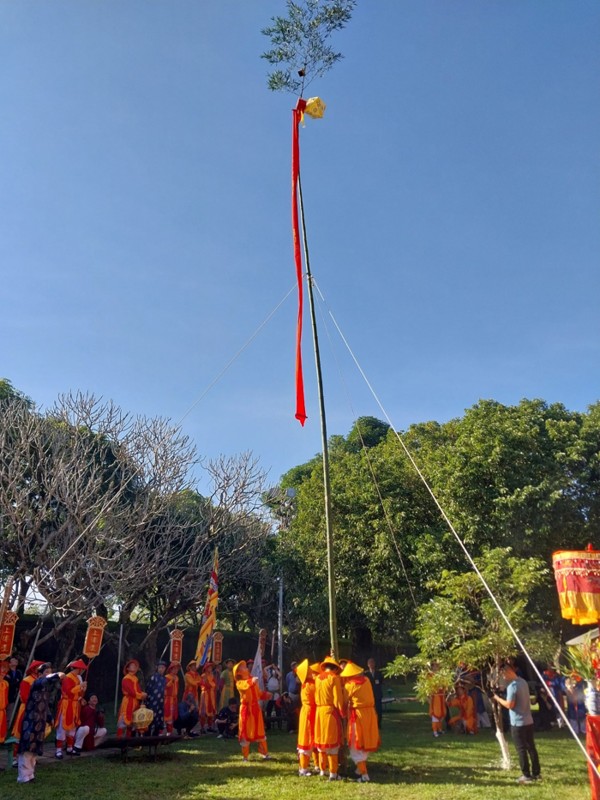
(452, 196)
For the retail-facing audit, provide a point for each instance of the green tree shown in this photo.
(300, 42)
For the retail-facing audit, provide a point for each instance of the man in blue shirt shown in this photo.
(518, 704)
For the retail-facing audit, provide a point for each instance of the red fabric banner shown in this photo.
(592, 725)
(297, 117)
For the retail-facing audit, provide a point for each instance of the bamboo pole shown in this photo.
(326, 480)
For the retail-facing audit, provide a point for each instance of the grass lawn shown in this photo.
(411, 764)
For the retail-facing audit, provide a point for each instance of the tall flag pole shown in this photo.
(209, 617)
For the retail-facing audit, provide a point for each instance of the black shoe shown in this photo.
(76, 751)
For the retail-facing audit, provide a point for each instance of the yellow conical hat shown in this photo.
(302, 670)
(329, 660)
(351, 670)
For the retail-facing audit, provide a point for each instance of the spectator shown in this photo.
(13, 677)
(227, 720)
(91, 730)
(292, 684)
(376, 678)
(188, 715)
(518, 704)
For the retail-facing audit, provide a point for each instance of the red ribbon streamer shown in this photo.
(297, 116)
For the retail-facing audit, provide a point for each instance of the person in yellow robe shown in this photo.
(192, 682)
(466, 720)
(251, 721)
(132, 694)
(72, 689)
(4, 667)
(363, 729)
(227, 684)
(330, 703)
(171, 695)
(437, 711)
(306, 722)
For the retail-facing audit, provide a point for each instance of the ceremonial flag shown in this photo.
(209, 617)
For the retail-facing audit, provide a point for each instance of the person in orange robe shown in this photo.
(437, 711)
(251, 721)
(4, 667)
(363, 728)
(132, 694)
(208, 698)
(466, 719)
(24, 689)
(306, 721)
(193, 682)
(330, 702)
(72, 689)
(171, 695)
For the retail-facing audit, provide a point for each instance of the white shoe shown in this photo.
(364, 779)
(304, 773)
(334, 777)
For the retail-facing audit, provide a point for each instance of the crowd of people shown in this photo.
(327, 704)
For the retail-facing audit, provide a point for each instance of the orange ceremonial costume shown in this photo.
(208, 697)
(67, 714)
(4, 666)
(330, 702)
(171, 695)
(363, 730)
(437, 711)
(193, 682)
(251, 720)
(132, 694)
(308, 712)
(466, 712)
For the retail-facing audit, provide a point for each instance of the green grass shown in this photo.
(411, 764)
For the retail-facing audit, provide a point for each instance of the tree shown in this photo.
(300, 42)
(461, 625)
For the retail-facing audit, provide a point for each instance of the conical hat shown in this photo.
(329, 661)
(237, 666)
(302, 670)
(351, 670)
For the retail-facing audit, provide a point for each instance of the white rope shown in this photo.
(463, 547)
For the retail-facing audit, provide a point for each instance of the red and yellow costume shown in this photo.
(330, 702)
(437, 711)
(363, 730)
(208, 697)
(466, 711)
(251, 720)
(132, 694)
(171, 695)
(308, 712)
(4, 666)
(193, 682)
(67, 714)
(228, 685)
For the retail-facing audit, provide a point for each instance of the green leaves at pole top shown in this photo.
(300, 42)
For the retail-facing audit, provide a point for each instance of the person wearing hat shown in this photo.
(251, 721)
(193, 681)
(156, 699)
(72, 689)
(132, 694)
(308, 711)
(363, 729)
(171, 694)
(35, 720)
(24, 689)
(208, 698)
(227, 684)
(330, 703)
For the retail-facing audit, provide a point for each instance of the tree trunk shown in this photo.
(499, 722)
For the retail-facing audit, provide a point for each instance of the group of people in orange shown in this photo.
(337, 708)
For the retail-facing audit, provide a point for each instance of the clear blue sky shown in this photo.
(452, 194)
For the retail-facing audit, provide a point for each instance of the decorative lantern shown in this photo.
(142, 719)
(577, 574)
